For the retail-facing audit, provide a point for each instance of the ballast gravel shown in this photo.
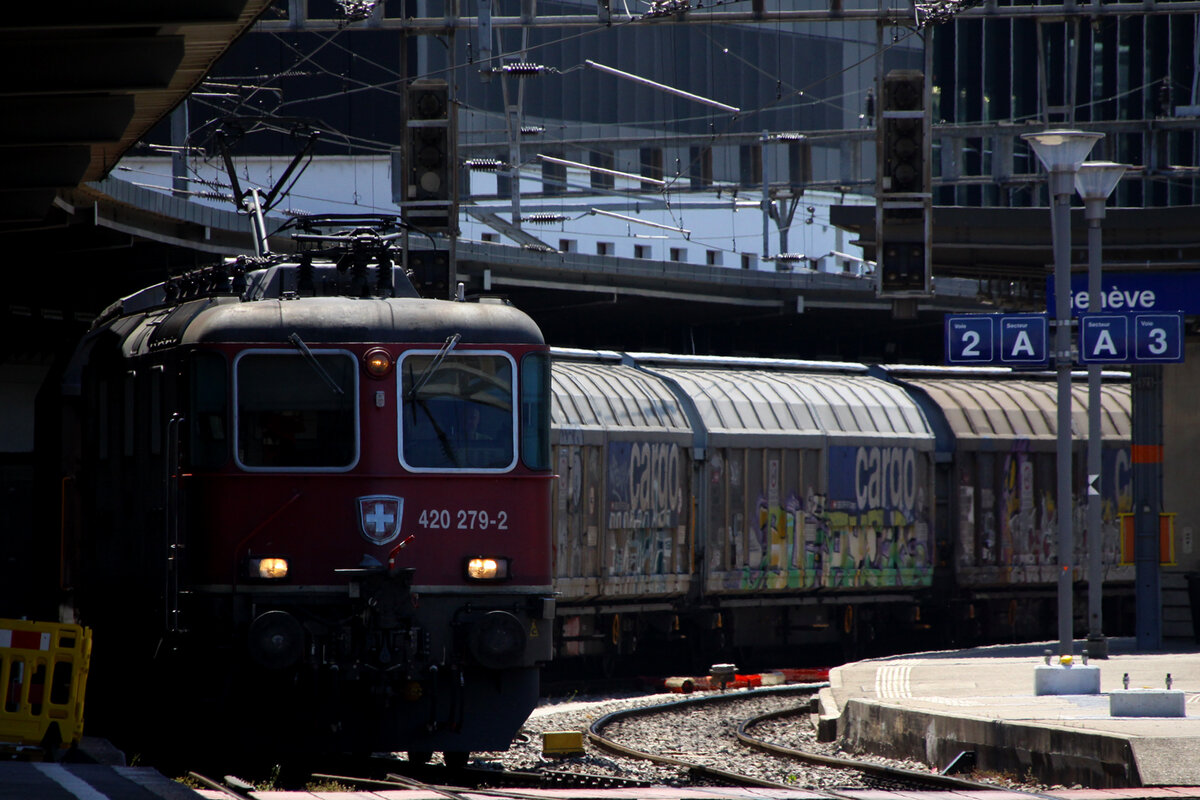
(699, 734)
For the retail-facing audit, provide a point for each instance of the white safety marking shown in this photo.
(950, 701)
(73, 784)
(893, 681)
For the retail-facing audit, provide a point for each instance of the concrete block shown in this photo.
(1147, 703)
(825, 718)
(1065, 679)
(826, 727)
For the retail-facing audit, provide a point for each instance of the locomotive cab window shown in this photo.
(457, 411)
(296, 410)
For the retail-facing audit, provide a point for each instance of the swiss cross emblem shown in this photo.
(379, 517)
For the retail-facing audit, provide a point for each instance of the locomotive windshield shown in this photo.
(457, 411)
(296, 410)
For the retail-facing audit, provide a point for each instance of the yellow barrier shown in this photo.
(43, 675)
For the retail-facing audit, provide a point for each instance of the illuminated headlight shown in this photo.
(270, 568)
(487, 569)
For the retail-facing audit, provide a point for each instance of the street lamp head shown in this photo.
(1062, 150)
(1096, 180)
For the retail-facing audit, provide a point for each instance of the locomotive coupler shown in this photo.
(385, 638)
(388, 598)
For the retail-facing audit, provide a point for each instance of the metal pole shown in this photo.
(179, 153)
(452, 13)
(1095, 181)
(766, 198)
(1061, 189)
(1097, 646)
(1147, 503)
(514, 157)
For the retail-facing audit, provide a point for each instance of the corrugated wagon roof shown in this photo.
(613, 396)
(787, 404)
(1024, 409)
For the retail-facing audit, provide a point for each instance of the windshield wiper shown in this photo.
(312, 362)
(430, 368)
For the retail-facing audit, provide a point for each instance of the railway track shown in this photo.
(755, 738)
(881, 775)
(449, 782)
(701, 770)
(728, 719)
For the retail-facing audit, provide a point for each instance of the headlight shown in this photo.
(487, 568)
(267, 568)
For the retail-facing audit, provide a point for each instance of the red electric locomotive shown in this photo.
(311, 508)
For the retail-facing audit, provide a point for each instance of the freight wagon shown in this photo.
(717, 508)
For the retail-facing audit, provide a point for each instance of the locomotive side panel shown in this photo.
(117, 484)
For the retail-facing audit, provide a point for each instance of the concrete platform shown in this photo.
(933, 706)
(24, 781)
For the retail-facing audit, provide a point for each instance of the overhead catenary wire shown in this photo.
(383, 147)
(640, 221)
(304, 58)
(600, 29)
(661, 86)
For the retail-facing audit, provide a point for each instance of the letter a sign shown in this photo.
(1023, 340)
(1103, 339)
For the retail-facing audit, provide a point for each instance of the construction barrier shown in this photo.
(43, 675)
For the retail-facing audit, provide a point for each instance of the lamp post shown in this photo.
(1061, 152)
(1095, 181)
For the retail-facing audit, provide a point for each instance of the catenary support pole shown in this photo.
(1061, 233)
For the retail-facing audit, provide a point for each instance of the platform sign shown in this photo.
(1103, 339)
(1131, 338)
(1158, 338)
(1013, 340)
(1024, 340)
(969, 338)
